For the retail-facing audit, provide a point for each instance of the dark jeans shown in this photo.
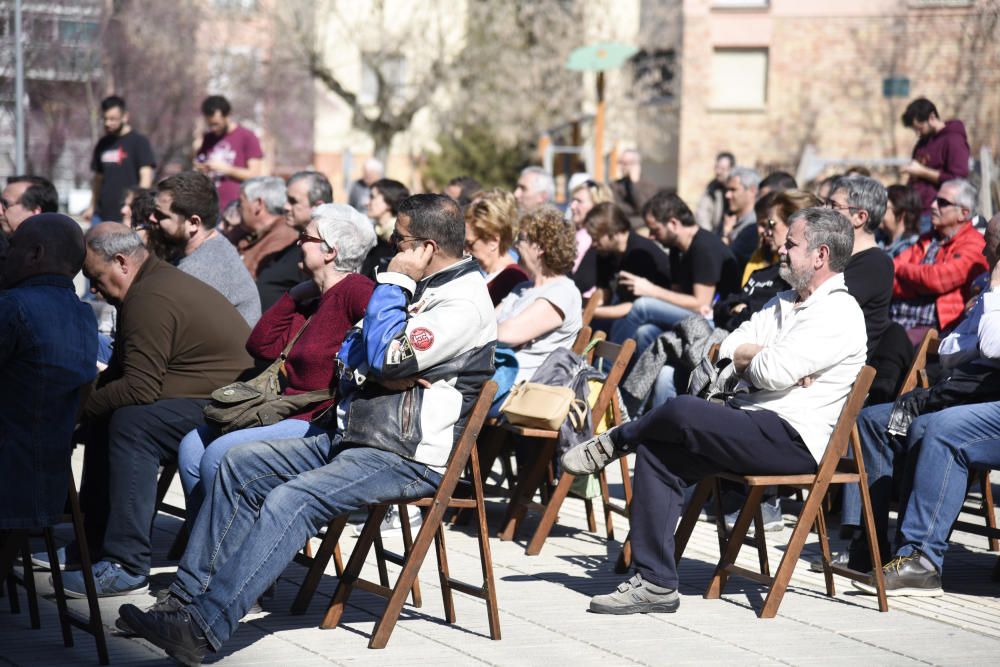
(268, 498)
(121, 462)
(684, 441)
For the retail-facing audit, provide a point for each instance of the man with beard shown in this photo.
(799, 356)
(187, 208)
(122, 159)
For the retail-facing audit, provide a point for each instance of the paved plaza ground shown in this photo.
(544, 618)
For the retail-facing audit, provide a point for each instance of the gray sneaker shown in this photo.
(591, 456)
(637, 596)
(770, 511)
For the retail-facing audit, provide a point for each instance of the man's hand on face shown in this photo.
(413, 261)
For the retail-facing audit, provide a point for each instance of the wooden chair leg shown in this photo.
(443, 575)
(550, 514)
(94, 626)
(989, 509)
(329, 546)
(735, 543)
(606, 505)
(527, 484)
(354, 564)
(624, 562)
(868, 520)
(485, 555)
(8, 554)
(29, 583)
(720, 516)
(588, 504)
(824, 547)
(50, 548)
(760, 540)
(702, 492)
(404, 518)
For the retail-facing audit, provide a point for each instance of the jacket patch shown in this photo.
(421, 339)
(399, 351)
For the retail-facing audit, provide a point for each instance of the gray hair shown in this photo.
(748, 177)
(342, 227)
(542, 181)
(829, 227)
(866, 194)
(967, 193)
(110, 239)
(269, 189)
(319, 188)
(374, 164)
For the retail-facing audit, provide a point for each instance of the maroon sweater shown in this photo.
(311, 362)
(948, 152)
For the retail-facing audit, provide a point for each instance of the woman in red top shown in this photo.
(334, 244)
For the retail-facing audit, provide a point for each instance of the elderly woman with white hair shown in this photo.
(334, 245)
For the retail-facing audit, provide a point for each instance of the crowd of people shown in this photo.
(381, 318)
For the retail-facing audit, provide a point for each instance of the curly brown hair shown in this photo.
(494, 216)
(547, 227)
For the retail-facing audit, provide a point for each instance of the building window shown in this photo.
(78, 32)
(739, 79)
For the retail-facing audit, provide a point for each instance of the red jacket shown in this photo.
(959, 260)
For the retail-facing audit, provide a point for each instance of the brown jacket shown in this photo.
(177, 338)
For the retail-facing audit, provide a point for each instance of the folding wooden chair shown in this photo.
(17, 540)
(167, 473)
(616, 357)
(834, 468)
(464, 455)
(592, 303)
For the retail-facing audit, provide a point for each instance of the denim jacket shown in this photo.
(48, 350)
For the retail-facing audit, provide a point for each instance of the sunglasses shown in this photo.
(305, 237)
(943, 203)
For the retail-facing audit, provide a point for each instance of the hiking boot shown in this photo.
(173, 631)
(591, 456)
(637, 596)
(906, 575)
(110, 579)
(771, 514)
(163, 603)
(392, 524)
(838, 558)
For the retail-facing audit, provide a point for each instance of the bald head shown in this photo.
(48, 243)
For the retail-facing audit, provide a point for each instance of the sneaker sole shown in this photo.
(658, 608)
(901, 592)
(131, 591)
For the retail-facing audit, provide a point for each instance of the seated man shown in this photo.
(187, 209)
(48, 351)
(700, 266)
(799, 355)
(178, 341)
(622, 252)
(427, 342)
(934, 275)
(945, 444)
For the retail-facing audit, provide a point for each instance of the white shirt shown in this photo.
(977, 338)
(823, 337)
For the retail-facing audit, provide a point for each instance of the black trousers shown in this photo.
(684, 441)
(120, 467)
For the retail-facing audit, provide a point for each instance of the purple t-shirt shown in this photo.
(236, 148)
(948, 152)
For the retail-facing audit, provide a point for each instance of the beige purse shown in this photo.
(535, 405)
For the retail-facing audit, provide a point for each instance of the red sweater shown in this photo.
(311, 362)
(959, 260)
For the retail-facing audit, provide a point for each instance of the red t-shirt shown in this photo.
(235, 148)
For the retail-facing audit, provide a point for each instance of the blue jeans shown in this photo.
(954, 440)
(933, 461)
(201, 452)
(269, 498)
(648, 318)
(664, 388)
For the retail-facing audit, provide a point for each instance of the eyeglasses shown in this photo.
(8, 204)
(305, 237)
(471, 243)
(836, 206)
(522, 238)
(399, 239)
(943, 203)
(160, 216)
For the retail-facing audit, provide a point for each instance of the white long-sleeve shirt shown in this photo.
(977, 338)
(823, 337)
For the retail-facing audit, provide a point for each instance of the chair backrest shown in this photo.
(582, 340)
(836, 449)
(592, 303)
(917, 375)
(613, 359)
(470, 434)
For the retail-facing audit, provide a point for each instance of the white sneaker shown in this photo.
(392, 526)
